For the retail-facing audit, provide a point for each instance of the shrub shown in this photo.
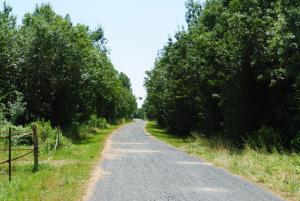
(17, 107)
(50, 138)
(265, 138)
(13, 109)
(98, 122)
(16, 130)
(296, 142)
(2, 115)
(77, 131)
(217, 141)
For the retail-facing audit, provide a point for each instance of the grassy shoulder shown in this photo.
(61, 176)
(279, 172)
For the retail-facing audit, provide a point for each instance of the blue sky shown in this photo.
(135, 29)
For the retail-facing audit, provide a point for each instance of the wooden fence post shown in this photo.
(35, 148)
(9, 154)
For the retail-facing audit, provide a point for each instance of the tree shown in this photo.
(62, 70)
(233, 73)
(193, 12)
(125, 81)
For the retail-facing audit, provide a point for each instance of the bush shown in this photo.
(16, 130)
(296, 142)
(98, 122)
(16, 108)
(265, 138)
(2, 115)
(217, 141)
(50, 138)
(13, 109)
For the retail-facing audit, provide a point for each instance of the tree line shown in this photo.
(54, 70)
(234, 72)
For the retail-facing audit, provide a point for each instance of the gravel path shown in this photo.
(137, 167)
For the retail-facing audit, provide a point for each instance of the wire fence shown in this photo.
(34, 150)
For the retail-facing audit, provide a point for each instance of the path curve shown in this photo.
(137, 167)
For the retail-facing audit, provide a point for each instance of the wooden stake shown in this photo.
(35, 148)
(9, 154)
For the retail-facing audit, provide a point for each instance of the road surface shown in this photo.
(137, 167)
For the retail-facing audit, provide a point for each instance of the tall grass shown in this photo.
(62, 174)
(276, 170)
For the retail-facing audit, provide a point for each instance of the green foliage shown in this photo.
(140, 113)
(17, 108)
(233, 72)
(265, 138)
(16, 131)
(296, 142)
(8, 50)
(193, 12)
(14, 107)
(125, 81)
(2, 115)
(277, 171)
(60, 175)
(50, 139)
(97, 122)
(60, 70)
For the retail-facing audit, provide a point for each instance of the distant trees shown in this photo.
(234, 72)
(61, 70)
(140, 113)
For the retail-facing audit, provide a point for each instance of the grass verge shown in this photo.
(61, 176)
(278, 172)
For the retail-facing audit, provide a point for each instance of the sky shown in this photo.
(135, 29)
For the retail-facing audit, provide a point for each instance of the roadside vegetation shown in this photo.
(63, 174)
(227, 89)
(276, 171)
(233, 73)
(54, 70)
(58, 76)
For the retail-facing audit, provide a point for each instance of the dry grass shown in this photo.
(278, 172)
